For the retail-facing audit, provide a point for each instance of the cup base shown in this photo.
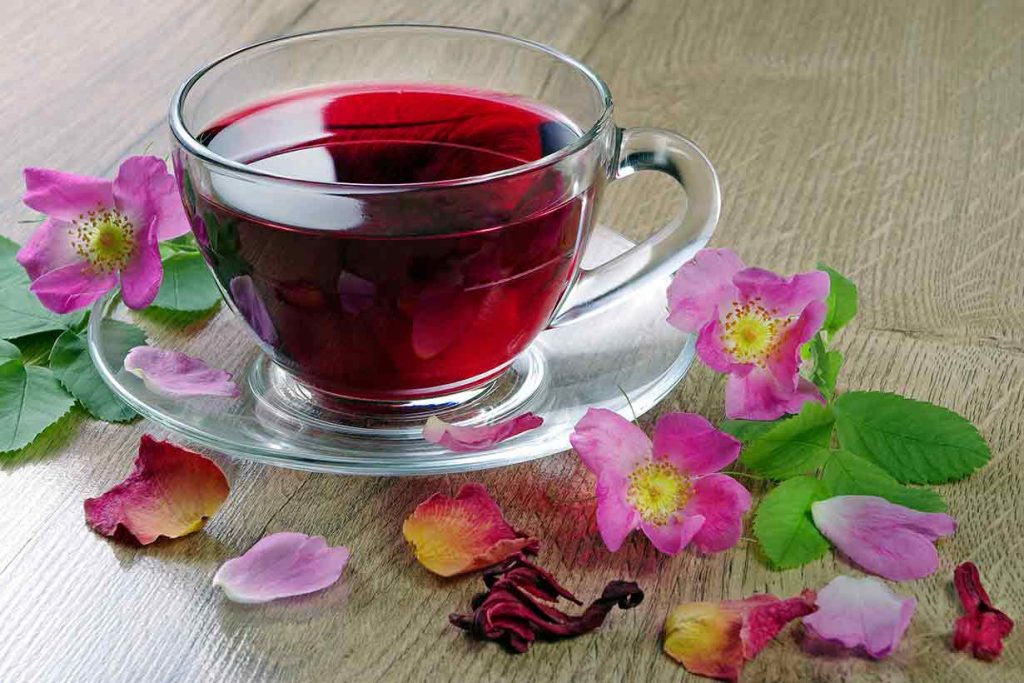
(283, 400)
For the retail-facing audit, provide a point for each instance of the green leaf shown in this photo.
(747, 430)
(73, 367)
(21, 313)
(842, 301)
(783, 525)
(914, 441)
(9, 351)
(825, 366)
(847, 474)
(794, 446)
(187, 285)
(31, 400)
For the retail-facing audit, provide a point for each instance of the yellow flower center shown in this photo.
(657, 491)
(105, 238)
(752, 332)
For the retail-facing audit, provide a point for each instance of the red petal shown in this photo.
(983, 628)
(171, 492)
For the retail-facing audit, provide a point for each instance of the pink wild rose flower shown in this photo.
(668, 487)
(750, 323)
(98, 232)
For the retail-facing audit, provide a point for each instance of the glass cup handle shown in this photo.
(661, 254)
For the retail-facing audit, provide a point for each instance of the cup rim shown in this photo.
(192, 145)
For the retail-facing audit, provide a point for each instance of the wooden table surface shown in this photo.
(882, 137)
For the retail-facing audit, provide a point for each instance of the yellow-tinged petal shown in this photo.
(705, 638)
(462, 534)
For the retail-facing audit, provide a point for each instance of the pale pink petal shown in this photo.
(141, 277)
(671, 537)
(783, 296)
(467, 439)
(65, 196)
(616, 518)
(462, 534)
(171, 373)
(608, 443)
(72, 287)
(170, 492)
(146, 192)
(785, 362)
(251, 307)
(49, 248)
(355, 293)
(692, 444)
(701, 287)
(759, 396)
(721, 501)
(281, 565)
(883, 538)
(861, 614)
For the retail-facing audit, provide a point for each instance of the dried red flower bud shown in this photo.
(983, 627)
(510, 611)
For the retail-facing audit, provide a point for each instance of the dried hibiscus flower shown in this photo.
(515, 610)
(983, 628)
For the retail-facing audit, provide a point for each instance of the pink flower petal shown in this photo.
(65, 196)
(609, 444)
(462, 534)
(72, 287)
(701, 286)
(713, 353)
(883, 538)
(721, 501)
(861, 615)
(146, 192)
(786, 295)
(170, 492)
(468, 439)
(252, 309)
(759, 396)
(48, 249)
(175, 374)
(140, 279)
(692, 444)
(281, 565)
(355, 293)
(616, 518)
(671, 537)
(785, 362)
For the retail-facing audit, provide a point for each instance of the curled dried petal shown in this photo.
(509, 612)
(468, 439)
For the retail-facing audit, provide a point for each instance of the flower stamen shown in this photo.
(753, 332)
(104, 237)
(657, 491)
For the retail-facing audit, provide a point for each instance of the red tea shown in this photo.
(401, 297)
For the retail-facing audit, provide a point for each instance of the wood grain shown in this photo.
(884, 138)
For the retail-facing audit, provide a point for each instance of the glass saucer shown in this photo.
(627, 351)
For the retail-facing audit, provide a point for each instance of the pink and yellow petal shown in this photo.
(609, 444)
(705, 638)
(692, 444)
(476, 438)
(702, 287)
(721, 501)
(462, 534)
(712, 352)
(784, 363)
(170, 492)
(281, 565)
(65, 196)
